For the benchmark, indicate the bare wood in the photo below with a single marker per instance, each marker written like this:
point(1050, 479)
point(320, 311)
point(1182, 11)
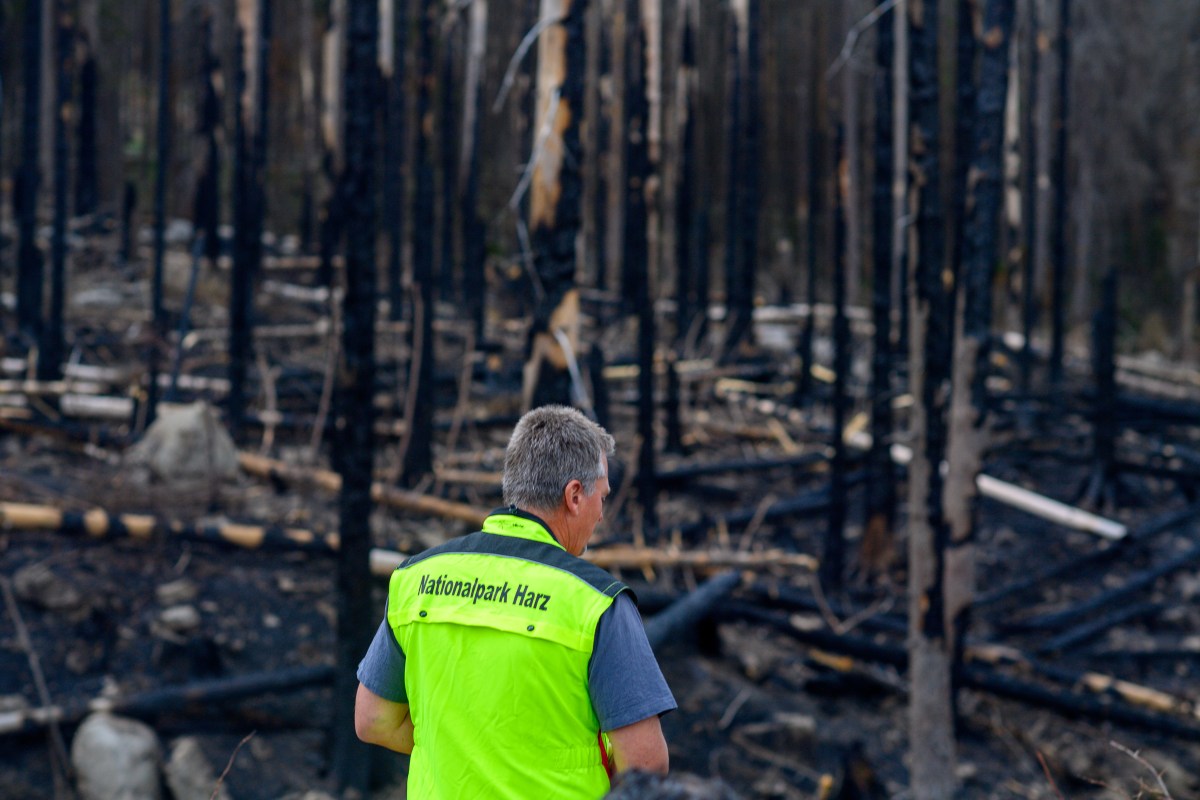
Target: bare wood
point(631, 556)
point(332, 482)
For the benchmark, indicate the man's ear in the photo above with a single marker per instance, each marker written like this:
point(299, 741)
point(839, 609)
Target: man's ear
point(573, 495)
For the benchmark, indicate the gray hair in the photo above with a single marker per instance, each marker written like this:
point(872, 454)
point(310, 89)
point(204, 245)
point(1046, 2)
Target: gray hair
point(550, 447)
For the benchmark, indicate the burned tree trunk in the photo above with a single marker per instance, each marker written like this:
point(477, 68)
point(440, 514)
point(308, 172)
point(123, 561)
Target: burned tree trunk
point(741, 233)
point(49, 364)
point(417, 457)
point(207, 201)
point(474, 229)
point(815, 210)
point(554, 203)
point(29, 258)
point(931, 728)
point(833, 559)
point(964, 126)
point(689, 251)
point(1058, 246)
point(394, 137)
point(1099, 492)
point(636, 262)
point(331, 217)
point(876, 550)
point(250, 140)
point(1029, 200)
point(448, 155)
point(87, 191)
point(356, 384)
point(163, 134)
point(968, 435)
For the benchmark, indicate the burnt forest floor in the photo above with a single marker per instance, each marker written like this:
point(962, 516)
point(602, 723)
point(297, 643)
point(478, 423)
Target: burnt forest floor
point(760, 705)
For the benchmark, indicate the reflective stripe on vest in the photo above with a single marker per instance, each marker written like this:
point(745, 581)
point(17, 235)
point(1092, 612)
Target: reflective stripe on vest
point(498, 629)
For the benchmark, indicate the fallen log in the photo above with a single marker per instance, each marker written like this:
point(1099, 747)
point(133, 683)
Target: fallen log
point(383, 562)
point(685, 612)
point(1137, 582)
point(686, 472)
point(171, 699)
point(1079, 566)
point(1093, 628)
point(1109, 699)
point(99, 524)
point(385, 495)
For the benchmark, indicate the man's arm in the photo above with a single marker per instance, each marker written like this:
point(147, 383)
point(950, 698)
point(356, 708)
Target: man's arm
point(640, 746)
point(382, 722)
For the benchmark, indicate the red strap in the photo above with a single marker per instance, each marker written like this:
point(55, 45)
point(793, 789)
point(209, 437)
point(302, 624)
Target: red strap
point(609, 767)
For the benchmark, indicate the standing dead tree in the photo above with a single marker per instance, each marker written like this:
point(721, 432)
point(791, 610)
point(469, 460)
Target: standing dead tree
point(931, 729)
point(969, 434)
point(29, 257)
point(555, 199)
point(163, 135)
point(49, 363)
point(354, 441)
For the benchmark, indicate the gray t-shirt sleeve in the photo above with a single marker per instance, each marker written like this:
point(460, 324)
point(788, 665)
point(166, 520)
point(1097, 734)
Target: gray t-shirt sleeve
point(624, 680)
point(382, 668)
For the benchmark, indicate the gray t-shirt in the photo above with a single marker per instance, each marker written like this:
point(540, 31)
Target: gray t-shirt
point(624, 680)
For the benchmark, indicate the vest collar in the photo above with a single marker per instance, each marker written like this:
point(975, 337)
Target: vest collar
point(512, 521)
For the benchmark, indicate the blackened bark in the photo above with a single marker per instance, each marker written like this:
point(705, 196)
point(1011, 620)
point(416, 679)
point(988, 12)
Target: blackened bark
point(876, 550)
point(674, 443)
point(688, 254)
point(1058, 246)
point(964, 126)
point(87, 191)
point(356, 385)
point(604, 146)
point(50, 352)
point(450, 51)
point(162, 167)
point(207, 201)
point(128, 206)
point(554, 213)
point(474, 229)
point(29, 258)
point(250, 139)
point(1099, 491)
point(930, 709)
point(418, 445)
point(635, 255)
point(816, 210)
point(969, 431)
point(395, 176)
point(600, 405)
point(1029, 199)
point(833, 559)
point(741, 234)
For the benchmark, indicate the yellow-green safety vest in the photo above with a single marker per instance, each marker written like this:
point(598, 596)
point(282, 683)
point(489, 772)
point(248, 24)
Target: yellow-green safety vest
point(497, 629)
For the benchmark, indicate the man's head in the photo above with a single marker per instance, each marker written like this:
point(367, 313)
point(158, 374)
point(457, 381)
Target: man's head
point(556, 466)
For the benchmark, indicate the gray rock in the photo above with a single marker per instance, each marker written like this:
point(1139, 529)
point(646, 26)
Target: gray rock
point(116, 759)
point(38, 585)
point(190, 776)
point(185, 444)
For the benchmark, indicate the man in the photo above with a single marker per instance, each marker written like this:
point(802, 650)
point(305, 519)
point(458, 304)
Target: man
point(507, 665)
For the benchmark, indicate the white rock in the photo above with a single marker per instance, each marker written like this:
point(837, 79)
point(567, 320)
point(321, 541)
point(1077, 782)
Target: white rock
point(116, 759)
point(186, 443)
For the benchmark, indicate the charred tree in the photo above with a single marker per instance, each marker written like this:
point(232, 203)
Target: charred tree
point(162, 167)
point(448, 154)
point(554, 203)
point(207, 202)
point(689, 251)
point(834, 556)
point(636, 261)
point(741, 230)
point(331, 216)
point(1058, 244)
point(815, 209)
point(417, 458)
point(128, 207)
point(1029, 199)
point(87, 191)
point(30, 275)
point(250, 143)
point(877, 549)
point(931, 729)
point(474, 229)
point(1099, 491)
point(50, 350)
point(964, 125)
point(969, 432)
point(395, 134)
point(356, 384)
